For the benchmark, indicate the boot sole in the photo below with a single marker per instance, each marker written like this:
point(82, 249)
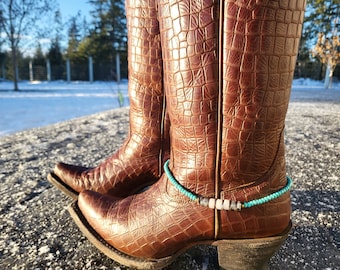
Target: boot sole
point(57, 182)
point(232, 253)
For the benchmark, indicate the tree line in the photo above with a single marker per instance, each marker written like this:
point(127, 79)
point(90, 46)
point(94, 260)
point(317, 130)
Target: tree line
point(27, 22)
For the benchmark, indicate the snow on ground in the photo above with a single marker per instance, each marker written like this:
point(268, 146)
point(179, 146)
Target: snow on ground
point(42, 103)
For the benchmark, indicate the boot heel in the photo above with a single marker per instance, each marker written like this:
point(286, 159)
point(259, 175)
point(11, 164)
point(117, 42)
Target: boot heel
point(248, 253)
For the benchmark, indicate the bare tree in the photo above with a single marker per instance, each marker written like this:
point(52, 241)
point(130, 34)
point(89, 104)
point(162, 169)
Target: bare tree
point(327, 50)
point(19, 18)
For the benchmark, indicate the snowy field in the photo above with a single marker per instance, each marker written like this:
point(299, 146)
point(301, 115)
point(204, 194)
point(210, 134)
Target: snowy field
point(42, 103)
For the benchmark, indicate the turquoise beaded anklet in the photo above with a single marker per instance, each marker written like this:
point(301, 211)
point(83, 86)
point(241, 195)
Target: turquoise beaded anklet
point(220, 204)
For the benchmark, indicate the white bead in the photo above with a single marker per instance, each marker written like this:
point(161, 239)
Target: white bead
point(239, 206)
point(219, 204)
point(226, 204)
point(212, 203)
point(233, 206)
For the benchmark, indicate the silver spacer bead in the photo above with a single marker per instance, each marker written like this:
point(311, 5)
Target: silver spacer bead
point(233, 206)
point(239, 206)
point(204, 201)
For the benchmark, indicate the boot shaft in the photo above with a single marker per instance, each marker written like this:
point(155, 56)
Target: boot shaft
point(260, 45)
point(149, 122)
point(189, 43)
point(228, 71)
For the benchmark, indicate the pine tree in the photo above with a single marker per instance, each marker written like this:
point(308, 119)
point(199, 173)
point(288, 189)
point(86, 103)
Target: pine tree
point(109, 28)
point(320, 16)
point(74, 39)
point(54, 53)
point(39, 57)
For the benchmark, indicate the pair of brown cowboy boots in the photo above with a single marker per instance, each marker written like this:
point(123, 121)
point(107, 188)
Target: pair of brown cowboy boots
point(224, 71)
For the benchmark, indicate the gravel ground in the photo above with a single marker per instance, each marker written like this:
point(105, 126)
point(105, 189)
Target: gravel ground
point(36, 231)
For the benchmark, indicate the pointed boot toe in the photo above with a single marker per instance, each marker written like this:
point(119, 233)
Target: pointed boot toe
point(92, 216)
point(138, 234)
point(66, 177)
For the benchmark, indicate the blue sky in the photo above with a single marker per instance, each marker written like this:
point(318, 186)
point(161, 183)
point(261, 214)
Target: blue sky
point(70, 8)
point(67, 8)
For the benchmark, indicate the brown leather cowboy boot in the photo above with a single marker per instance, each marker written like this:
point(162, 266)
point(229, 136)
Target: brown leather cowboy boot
point(228, 71)
point(139, 161)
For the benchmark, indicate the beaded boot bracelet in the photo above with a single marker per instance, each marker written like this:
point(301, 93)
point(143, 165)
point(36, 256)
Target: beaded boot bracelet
point(221, 204)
